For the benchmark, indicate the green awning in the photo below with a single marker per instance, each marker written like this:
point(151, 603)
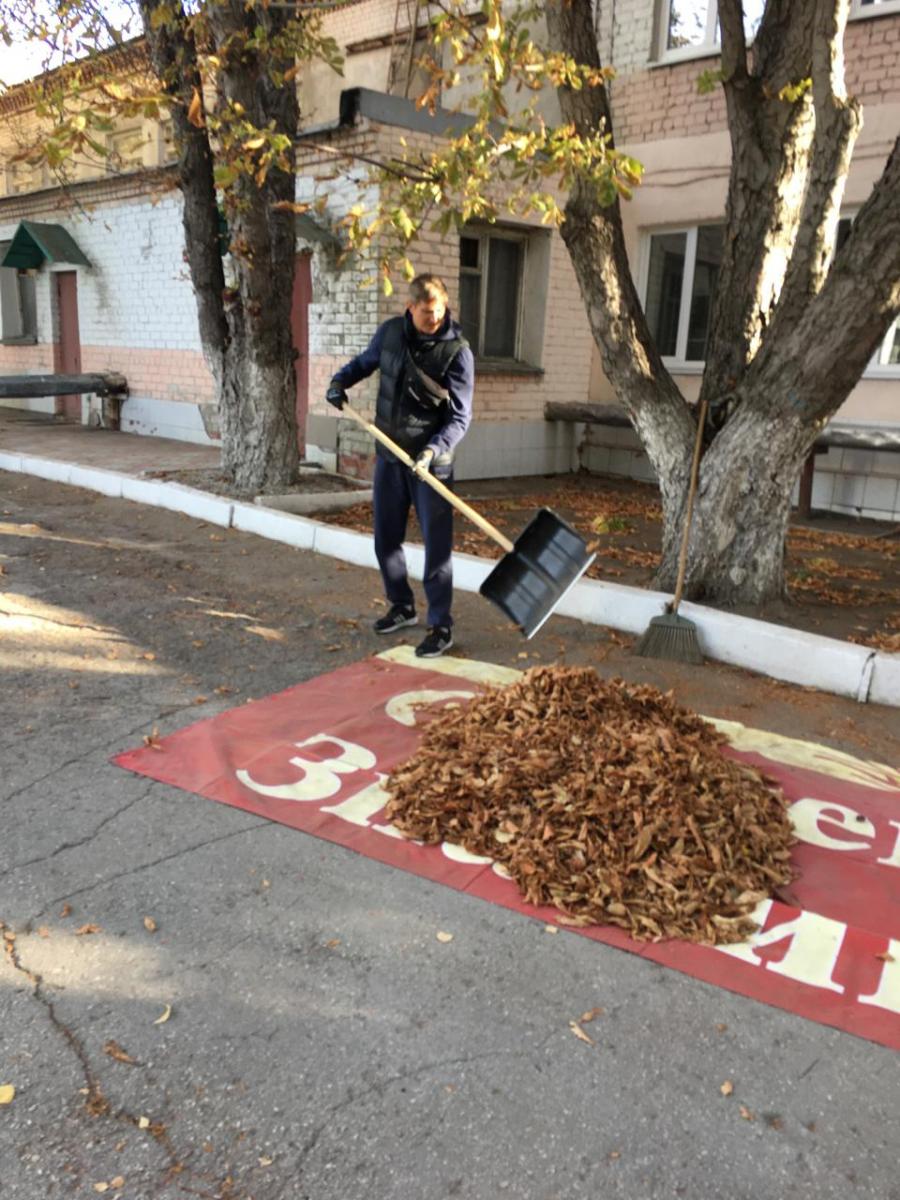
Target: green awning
point(34, 243)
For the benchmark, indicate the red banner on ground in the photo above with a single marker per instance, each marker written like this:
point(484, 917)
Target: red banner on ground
point(314, 758)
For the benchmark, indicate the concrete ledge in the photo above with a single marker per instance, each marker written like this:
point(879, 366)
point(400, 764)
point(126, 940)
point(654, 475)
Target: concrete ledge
point(346, 545)
point(278, 526)
point(780, 651)
point(109, 483)
point(10, 462)
point(302, 504)
point(600, 603)
point(46, 468)
point(885, 685)
point(194, 503)
point(141, 491)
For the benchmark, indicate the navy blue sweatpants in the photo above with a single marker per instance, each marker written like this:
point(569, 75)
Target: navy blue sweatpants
point(396, 488)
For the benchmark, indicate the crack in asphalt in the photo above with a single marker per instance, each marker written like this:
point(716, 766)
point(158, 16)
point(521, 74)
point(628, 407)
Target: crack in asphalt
point(381, 1087)
point(51, 904)
point(103, 747)
point(81, 841)
point(97, 1104)
point(105, 629)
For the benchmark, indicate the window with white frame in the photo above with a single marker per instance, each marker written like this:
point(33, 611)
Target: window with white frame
point(873, 8)
point(886, 358)
point(690, 28)
point(18, 310)
point(681, 270)
point(491, 273)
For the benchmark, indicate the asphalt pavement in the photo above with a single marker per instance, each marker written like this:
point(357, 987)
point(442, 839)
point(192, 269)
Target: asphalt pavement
point(197, 1002)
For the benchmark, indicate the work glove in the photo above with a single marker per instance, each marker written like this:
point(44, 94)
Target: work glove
point(336, 395)
point(422, 465)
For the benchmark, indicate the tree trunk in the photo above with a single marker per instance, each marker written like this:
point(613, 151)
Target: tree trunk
point(245, 330)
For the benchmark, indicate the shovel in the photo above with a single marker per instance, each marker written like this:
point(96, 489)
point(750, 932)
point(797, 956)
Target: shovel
point(535, 573)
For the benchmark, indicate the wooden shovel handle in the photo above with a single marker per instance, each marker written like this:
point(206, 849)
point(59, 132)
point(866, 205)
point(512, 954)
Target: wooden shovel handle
point(426, 476)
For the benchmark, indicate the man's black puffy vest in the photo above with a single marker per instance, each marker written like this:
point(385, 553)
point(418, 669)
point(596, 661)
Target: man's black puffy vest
point(410, 424)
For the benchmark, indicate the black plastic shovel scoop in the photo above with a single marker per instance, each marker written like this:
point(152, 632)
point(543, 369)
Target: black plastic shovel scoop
point(547, 559)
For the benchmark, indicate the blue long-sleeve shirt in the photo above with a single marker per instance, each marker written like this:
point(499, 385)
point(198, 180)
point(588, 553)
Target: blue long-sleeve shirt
point(458, 379)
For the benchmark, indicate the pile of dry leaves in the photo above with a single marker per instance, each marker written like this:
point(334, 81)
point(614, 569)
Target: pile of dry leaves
point(608, 801)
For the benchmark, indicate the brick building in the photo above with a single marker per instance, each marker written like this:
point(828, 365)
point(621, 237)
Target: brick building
point(512, 283)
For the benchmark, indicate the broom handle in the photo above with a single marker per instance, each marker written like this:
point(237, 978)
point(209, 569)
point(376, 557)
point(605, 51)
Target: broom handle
point(433, 482)
point(692, 491)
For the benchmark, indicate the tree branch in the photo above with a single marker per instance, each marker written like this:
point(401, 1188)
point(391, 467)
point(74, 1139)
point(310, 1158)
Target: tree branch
point(594, 238)
point(838, 120)
point(173, 52)
point(814, 365)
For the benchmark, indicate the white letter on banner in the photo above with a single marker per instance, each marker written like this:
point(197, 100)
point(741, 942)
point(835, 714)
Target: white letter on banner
point(320, 779)
point(809, 815)
point(894, 859)
point(402, 708)
point(815, 943)
point(888, 992)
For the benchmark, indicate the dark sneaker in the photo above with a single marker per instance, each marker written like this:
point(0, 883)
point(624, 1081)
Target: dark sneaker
point(398, 617)
point(438, 640)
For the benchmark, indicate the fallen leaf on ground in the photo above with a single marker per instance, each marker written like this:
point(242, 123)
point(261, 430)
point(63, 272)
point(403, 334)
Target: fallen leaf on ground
point(150, 656)
point(143, 1122)
point(551, 929)
point(721, 1027)
point(727, 1088)
point(444, 937)
point(264, 1162)
point(580, 1034)
point(615, 1154)
point(590, 1015)
point(114, 1050)
point(117, 1182)
point(885, 957)
point(152, 739)
point(330, 945)
point(746, 1113)
point(43, 931)
point(150, 925)
point(164, 1015)
point(66, 910)
point(101, 1187)
point(200, 699)
point(84, 930)
point(7, 1093)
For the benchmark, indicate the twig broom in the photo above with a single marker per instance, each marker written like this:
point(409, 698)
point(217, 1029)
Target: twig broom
point(671, 636)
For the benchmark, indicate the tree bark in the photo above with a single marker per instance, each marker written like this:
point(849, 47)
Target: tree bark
point(245, 331)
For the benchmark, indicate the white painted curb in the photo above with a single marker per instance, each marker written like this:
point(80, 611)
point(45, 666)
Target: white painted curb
point(790, 654)
point(96, 480)
point(885, 686)
point(802, 658)
point(194, 503)
point(270, 523)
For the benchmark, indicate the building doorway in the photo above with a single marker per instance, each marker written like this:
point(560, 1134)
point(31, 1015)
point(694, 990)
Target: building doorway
point(68, 349)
